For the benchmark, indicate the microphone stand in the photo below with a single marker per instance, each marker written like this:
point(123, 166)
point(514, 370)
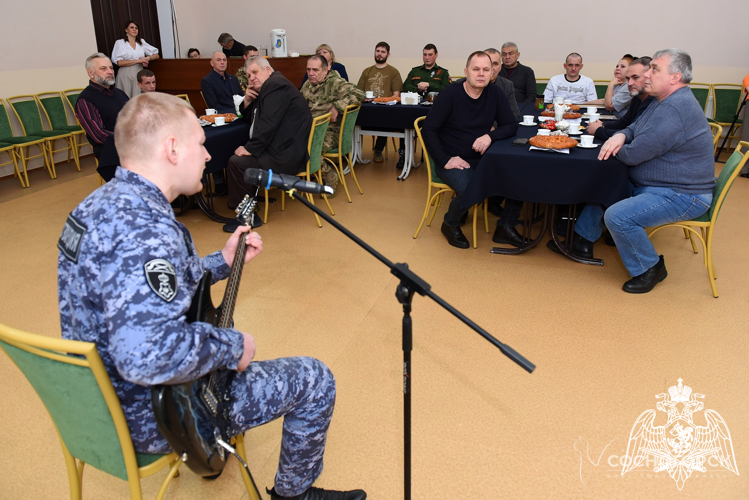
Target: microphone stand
point(411, 283)
point(733, 124)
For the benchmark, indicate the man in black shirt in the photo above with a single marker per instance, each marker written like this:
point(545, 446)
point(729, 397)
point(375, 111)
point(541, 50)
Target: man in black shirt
point(232, 48)
point(521, 76)
point(457, 132)
point(219, 87)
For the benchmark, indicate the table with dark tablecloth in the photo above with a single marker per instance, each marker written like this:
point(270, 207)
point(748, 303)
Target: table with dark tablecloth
point(392, 116)
point(221, 142)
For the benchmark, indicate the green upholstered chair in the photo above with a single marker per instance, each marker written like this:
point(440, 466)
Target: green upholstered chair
point(706, 222)
point(726, 102)
point(541, 85)
point(314, 149)
point(434, 182)
point(53, 106)
point(71, 95)
point(21, 145)
point(345, 141)
point(26, 109)
point(9, 150)
point(70, 379)
point(701, 92)
point(601, 87)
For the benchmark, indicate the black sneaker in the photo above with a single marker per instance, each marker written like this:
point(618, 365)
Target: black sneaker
point(401, 159)
point(321, 494)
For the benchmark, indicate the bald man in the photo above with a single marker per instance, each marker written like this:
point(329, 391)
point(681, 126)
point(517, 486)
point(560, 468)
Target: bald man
point(219, 87)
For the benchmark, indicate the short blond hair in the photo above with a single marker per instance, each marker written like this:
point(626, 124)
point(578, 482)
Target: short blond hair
point(143, 122)
point(326, 47)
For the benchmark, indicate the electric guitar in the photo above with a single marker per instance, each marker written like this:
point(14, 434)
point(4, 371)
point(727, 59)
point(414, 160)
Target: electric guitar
point(194, 416)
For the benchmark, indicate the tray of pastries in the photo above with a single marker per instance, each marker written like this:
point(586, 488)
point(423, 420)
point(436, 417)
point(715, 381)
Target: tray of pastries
point(567, 116)
point(386, 99)
point(573, 107)
point(553, 142)
point(230, 117)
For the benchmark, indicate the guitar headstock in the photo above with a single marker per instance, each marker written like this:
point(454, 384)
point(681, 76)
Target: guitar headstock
point(245, 210)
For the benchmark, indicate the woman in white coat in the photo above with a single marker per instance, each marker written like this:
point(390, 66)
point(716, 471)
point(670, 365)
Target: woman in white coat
point(131, 54)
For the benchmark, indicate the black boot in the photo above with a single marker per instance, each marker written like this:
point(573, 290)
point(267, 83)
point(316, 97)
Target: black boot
point(580, 247)
point(509, 236)
point(647, 280)
point(321, 494)
point(455, 236)
point(401, 158)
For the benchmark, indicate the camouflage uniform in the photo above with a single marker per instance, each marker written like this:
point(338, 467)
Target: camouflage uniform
point(332, 91)
point(242, 77)
point(127, 272)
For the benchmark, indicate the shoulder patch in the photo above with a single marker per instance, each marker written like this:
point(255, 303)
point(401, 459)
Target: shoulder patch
point(71, 238)
point(162, 278)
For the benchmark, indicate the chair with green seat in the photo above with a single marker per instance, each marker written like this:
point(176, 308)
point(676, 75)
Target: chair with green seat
point(701, 92)
point(434, 182)
point(26, 109)
point(70, 379)
point(345, 141)
point(54, 109)
point(71, 95)
point(726, 102)
point(541, 85)
point(314, 150)
point(717, 130)
point(21, 145)
point(601, 87)
point(9, 149)
point(706, 222)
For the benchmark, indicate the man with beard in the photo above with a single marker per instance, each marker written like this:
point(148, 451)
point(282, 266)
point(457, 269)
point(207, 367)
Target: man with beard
point(97, 108)
point(636, 85)
point(458, 131)
point(384, 81)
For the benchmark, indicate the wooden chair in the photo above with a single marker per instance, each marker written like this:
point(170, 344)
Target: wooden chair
point(706, 222)
point(344, 149)
point(70, 379)
point(54, 109)
point(185, 97)
point(71, 96)
point(21, 146)
point(717, 130)
point(701, 92)
point(726, 102)
point(434, 182)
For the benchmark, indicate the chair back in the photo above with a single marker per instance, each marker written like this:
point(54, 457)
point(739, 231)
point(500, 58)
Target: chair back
point(72, 96)
point(54, 109)
point(730, 171)
point(701, 92)
point(726, 101)
point(5, 128)
point(27, 111)
point(717, 130)
point(348, 124)
point(183, 96)
point(73, 384)
point(541, 85)
point(433, 177)
point(316, 139)
point(601, 87)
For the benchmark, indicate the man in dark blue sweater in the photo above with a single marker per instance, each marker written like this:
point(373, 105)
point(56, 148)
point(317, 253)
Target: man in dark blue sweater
point(670, 151)
point(457, 132)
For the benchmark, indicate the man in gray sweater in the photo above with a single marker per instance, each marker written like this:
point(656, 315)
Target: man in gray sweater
point(670, 152)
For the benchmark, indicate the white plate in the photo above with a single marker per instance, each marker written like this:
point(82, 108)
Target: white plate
point(528, 124)
point(588, 147)
point(579, 132)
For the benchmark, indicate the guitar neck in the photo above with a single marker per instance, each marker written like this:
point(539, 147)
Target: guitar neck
point(232, 287)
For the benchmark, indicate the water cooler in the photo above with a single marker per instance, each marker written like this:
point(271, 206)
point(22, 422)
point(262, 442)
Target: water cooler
point(278, 43)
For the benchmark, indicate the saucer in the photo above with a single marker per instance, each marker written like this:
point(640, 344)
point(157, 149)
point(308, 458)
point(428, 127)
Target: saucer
point(593, 146)
point(217, 125)
point(528, 124)
point(579, 132)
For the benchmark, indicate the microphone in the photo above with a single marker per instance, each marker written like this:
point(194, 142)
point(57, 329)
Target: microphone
point(267, 179)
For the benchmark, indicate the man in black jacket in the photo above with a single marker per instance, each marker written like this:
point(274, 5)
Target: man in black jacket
point(521, 76)
point(637, 89)
point(219, 87)
point(280, 125)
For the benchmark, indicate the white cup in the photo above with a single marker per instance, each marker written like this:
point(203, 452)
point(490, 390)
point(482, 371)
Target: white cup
point(544, 131)
point(369, 94)
point(559, 100)
point(220, 120)
point(592, 110)
point(586, 140)
point(593, 117)
point(528, 119)
point(568, 102)
point(210, 111)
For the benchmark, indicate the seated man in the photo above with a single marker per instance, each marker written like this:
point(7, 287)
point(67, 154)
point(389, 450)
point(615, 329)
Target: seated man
point(670, 151)
point(571, 85)
point(220, 87)
point(146, 80)
point(458, 130)
point(325, 91)
point(279, 131)
point(97, 108)
point(136, 317)
point(506, 85)
point(428, 77)
point(641, 100)
point(382, 80)
point(193, 53)
point(249, 51)
point(231, 47)
point(521, 76)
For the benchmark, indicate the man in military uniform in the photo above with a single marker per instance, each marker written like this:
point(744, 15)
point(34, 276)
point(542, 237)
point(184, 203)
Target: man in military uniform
point(326, 91)
point(127, 272)
point(428, 77)
point(249, 51)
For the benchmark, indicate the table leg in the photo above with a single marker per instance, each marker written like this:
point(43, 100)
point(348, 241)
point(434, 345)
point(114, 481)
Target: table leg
point(408, 139)
point(527, 226)
point(564, 246)
point(357, 156)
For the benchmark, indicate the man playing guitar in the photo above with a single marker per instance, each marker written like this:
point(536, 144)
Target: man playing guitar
point(127, 272)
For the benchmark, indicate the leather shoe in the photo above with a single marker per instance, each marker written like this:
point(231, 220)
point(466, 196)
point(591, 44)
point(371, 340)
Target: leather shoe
point(320, 494)
point(455, 236)
point(647, 280)
point(580, 247)
point(509, 236)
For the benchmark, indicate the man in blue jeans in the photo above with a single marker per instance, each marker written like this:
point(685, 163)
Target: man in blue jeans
point(669, 149)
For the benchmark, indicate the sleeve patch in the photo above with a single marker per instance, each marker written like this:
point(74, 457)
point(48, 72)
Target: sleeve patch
point(162, 278)
point(71, 238)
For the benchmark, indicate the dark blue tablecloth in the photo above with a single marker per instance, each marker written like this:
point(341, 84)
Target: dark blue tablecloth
point(221, 142)
point(394, 116)
point(547, 177)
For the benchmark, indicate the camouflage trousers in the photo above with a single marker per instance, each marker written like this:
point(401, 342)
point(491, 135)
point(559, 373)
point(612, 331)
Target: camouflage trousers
point(329, 175)
point(300, 389)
